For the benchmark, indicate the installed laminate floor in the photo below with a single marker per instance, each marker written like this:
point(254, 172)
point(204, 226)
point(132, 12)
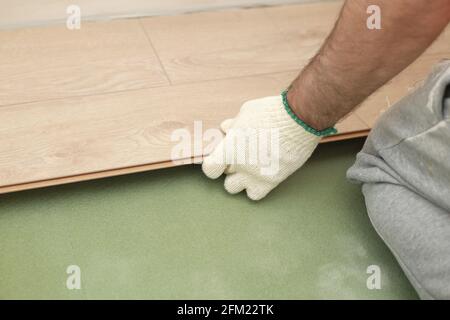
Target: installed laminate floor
point(105, 99)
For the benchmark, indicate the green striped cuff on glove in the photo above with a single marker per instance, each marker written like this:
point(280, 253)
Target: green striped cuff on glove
point(308, 128)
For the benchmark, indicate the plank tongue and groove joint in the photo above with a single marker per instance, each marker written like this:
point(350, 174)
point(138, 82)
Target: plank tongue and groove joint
point(104, 100)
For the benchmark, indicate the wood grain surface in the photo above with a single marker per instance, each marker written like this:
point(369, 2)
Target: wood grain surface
point(54, 62)
point(398, 87)
point(217, 45)
point(105, 100)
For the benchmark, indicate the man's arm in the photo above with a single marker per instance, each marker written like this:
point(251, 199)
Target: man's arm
point(355, 61)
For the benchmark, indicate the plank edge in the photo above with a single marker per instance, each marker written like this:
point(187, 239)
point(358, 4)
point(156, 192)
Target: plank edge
point(135, 169)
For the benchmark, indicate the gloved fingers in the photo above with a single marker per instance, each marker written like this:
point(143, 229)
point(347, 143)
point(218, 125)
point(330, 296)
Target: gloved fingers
point(235, 183)
point(214, 165)
point(256, 193)
point(226, 125)
point(230, 169)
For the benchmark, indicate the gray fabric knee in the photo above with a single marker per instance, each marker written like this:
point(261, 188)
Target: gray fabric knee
point(404, 167)
point(418, 234)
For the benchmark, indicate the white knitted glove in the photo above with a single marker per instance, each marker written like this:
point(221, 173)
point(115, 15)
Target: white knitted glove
point(263, 122)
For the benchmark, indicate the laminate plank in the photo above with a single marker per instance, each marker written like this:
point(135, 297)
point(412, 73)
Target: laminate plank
point(136, 169)
point(398, 87)
point(346, 136)
point(55, 62)
point(85, 177)
point(80, 135)
point(351, 123)
point(441, 45)
point(72, 136)
point(305, 27)
point(218, 45)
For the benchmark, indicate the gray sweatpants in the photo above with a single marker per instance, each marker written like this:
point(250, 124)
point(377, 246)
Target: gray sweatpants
point(404, 168)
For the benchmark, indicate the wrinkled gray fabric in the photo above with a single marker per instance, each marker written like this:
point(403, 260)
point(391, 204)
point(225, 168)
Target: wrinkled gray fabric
point(404, 169)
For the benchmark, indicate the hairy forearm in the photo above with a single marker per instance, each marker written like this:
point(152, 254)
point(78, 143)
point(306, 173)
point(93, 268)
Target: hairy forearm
point(355, 61)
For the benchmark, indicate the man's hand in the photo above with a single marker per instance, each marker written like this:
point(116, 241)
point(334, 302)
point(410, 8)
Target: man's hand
point(353, 62)
point(262, 147)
